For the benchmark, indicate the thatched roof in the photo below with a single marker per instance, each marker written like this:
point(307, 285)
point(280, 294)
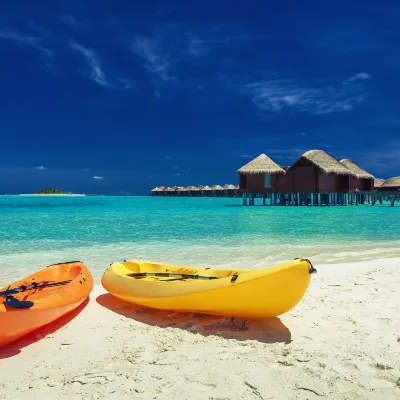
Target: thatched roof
point(392, 183)
point(356, 169)
point(171, 189)
point(206, 188)
point(261, 165)
point(325, 162)
point(230, 187)
point(156, 189)
point(162, 187)
point(217, 187)
point(378, 182)
point(181, 189)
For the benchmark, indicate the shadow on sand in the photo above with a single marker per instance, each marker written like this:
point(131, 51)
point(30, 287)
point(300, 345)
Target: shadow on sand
point(14, 348)
point(262, 330)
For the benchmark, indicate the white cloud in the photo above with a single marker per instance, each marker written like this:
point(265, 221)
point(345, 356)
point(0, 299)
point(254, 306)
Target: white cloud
point(303, 134)
point(243, 155)
point(97, 177)
point(275, 95)
point(40, 168)
point(196, 47)
point(206, 40)
point(29, 41)
point(69, 20)
point(155, 61)
point(126, 83)
point(92, 60)
point(361, 76)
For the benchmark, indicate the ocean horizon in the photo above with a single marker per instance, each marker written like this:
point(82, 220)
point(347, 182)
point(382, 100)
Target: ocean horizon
point(37, 231)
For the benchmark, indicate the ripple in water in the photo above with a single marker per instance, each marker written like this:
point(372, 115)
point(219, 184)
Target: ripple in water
point(189, 231)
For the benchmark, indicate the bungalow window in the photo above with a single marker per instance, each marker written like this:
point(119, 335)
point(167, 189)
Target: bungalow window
point(267, 183)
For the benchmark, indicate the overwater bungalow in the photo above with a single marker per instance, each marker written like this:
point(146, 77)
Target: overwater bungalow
point(206, 190)
point(316, 171)
point(315, 178)
point(389, 191)
point(171, 191)
point(181, 191)
point(190, 190)
point(196, 190)
point(259, 175)
point(391, 185)
point(162, 191)
point(156, 191)
point(229, 190)
point(361, 180)
point(217, 190)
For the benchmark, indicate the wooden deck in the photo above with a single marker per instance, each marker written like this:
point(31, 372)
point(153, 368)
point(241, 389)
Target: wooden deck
point(322, 199)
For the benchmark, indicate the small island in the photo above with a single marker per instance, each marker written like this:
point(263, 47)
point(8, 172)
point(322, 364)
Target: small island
point(54, 192)
point(49, 191)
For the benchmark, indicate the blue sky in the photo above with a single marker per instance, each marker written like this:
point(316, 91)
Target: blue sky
point(121, 96)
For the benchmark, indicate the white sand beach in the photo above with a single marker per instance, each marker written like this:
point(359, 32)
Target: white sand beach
point(342, 341)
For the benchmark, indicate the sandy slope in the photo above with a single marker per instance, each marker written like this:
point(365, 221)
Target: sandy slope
point(341, 342)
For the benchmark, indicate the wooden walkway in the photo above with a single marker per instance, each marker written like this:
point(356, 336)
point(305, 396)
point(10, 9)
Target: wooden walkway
point(322, 199)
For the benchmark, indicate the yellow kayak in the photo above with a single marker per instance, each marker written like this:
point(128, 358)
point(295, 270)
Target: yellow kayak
point(245, 293)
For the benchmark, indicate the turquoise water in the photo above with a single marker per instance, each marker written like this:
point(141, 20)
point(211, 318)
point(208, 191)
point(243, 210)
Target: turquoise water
point(37, 231)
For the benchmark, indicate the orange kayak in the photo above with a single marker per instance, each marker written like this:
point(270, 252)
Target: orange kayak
point(42, 298)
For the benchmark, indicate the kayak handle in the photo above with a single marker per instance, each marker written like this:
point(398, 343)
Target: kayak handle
point(312, 270)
